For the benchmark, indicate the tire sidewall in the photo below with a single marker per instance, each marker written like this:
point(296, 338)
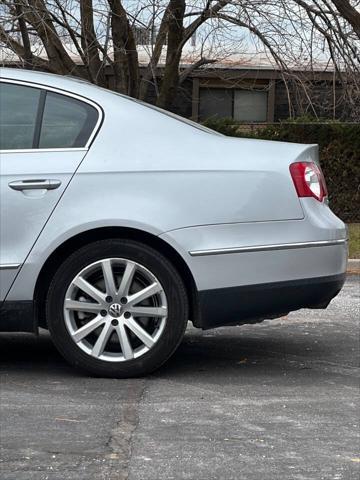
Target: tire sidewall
point(156, 264)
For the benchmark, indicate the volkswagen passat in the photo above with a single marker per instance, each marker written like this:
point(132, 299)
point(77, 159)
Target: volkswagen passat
point(119, 222)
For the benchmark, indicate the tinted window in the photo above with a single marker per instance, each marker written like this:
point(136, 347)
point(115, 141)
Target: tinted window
point(215, 102)
point(242, 105)
point(250, 105)
point(18, 112)
point(67, 122)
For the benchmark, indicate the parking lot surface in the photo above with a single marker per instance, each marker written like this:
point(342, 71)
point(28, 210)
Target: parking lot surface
point(277, 400)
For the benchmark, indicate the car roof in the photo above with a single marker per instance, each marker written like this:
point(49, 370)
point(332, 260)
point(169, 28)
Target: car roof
point(69, 84)
point(42, 78)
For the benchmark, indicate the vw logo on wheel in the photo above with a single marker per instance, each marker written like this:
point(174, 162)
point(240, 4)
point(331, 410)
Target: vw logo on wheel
point(115, 310)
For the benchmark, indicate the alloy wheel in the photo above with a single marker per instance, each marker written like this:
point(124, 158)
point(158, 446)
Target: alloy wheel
point(115, 309)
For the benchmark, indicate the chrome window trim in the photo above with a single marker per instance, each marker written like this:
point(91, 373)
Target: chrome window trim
point(10, 266)
point(66, 94)
point(266, 248)
point(39, 150)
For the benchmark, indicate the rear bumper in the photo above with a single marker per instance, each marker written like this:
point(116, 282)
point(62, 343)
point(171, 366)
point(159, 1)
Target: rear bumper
point(252, 304)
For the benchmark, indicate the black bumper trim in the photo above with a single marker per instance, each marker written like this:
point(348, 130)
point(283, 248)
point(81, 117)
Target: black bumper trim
point(254, 303)
point(17, 317)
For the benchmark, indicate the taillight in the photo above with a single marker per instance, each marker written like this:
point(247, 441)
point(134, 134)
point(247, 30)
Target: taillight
point(309, 180)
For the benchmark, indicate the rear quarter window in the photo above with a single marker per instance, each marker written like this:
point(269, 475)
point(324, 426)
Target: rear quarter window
point(67, 122)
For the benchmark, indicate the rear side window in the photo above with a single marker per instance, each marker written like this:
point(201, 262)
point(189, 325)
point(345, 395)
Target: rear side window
point(66, 122)
point(18, 116)
point(32, 118)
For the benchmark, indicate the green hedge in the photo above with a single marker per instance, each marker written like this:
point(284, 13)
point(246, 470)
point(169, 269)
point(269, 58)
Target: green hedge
point(339, 154)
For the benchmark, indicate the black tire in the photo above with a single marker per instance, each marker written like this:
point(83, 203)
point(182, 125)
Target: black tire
point(159, 266)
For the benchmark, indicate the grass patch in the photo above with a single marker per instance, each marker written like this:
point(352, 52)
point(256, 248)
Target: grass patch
point(354, 236)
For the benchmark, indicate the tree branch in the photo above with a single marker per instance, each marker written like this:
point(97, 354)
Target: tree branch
point(20, 51)
point(188, 71)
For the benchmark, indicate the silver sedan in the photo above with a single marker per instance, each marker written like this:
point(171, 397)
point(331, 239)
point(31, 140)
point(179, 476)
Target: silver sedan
point(120, 222)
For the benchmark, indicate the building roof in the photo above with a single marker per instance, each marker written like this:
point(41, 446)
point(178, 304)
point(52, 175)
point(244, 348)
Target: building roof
point(250, 60)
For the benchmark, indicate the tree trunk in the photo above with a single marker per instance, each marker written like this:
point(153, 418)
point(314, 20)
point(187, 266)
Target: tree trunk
point(59, 60)
point(349, 13)
point(125, 51)
point(170, 80)
point(150, 72)
point(89, 43)
point(25, 37)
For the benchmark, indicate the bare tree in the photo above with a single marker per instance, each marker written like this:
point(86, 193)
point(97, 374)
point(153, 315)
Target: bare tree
point(350, 13)
point(91, 38)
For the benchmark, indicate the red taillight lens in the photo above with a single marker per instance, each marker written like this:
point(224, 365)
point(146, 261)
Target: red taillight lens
point(309, 180)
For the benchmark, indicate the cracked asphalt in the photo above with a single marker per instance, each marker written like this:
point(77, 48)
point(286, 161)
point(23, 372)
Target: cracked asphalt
point(277, 400)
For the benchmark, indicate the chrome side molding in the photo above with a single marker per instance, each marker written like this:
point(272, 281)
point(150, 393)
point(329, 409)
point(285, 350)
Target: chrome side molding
point(266, 248)
point(10, 266)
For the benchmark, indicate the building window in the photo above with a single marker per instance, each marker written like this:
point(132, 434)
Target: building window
point(216, 103)
point(250, 105)
point(242, 105)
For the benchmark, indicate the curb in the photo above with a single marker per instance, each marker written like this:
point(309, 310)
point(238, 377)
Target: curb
point(353, 266)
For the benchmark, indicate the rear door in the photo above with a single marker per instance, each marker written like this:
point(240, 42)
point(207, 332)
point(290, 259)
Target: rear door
point(44, 135)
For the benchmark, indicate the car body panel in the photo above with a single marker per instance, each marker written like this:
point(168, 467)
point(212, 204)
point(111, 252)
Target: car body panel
point(265, 265)
point(23, 214)
point(194, 189)
point(252, 268)
point(199, 178)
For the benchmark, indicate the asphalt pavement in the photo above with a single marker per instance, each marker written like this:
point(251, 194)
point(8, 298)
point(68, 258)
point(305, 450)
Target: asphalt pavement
point(273, 401)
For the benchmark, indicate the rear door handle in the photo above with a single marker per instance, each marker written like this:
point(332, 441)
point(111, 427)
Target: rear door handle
point(36, 184)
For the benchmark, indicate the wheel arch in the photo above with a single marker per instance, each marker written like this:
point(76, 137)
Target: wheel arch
point(102, 233)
